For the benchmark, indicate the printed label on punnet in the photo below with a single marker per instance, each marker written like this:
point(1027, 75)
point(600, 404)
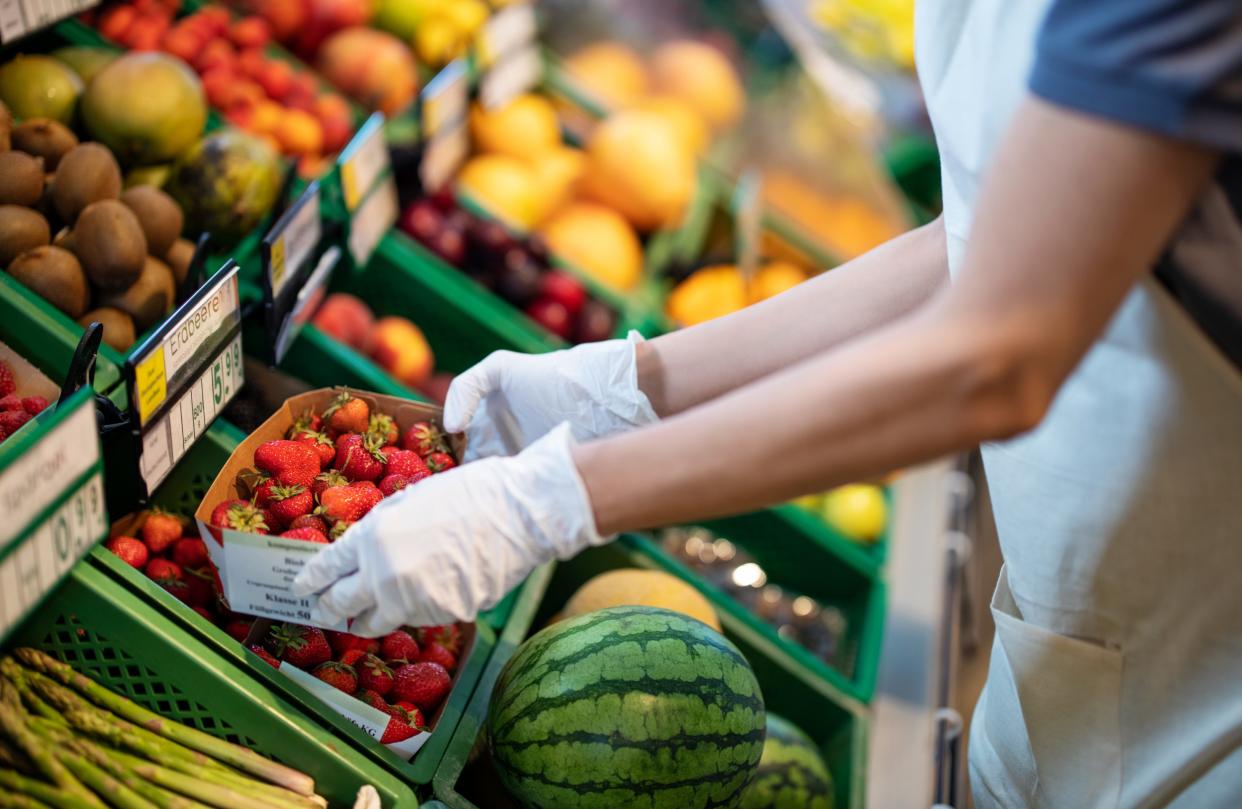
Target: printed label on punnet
point(258, 573)
point(372, 721)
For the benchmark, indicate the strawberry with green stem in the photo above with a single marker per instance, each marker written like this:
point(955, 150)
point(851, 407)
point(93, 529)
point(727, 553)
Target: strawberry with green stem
point(382, 429)
point(301, 646)
point(290, 463)
point(424, 684)
point(348, 504)
point(404, 462)
point(131, 551)
point(160, 530)
point(287, 503)
point(359, 457)
point(239, 515)
point(424, 438)
point(319, 442)
point(348, 414)
point(338, 675)
point(326, 480)
point(374, 674)
point(306, 535)
point(440, 462)
point(399, 645)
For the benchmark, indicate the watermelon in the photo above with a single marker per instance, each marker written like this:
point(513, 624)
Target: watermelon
point(791, 773)
point(626, 707)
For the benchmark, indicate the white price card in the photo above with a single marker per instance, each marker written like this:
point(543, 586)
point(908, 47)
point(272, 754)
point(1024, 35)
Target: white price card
point(372, 220)
point(293, 239)
point(258, 572)
point(508, 30)
point(42, 473)
point(166, 440)
point(364, 161)
point(517, 73)
point(36, 565)
point(443, 154)
point(445, 99)
point(309, 296)
point(21, 17)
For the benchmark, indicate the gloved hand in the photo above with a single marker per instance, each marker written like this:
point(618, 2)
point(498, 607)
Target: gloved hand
point(455, 543)
point(593, 386)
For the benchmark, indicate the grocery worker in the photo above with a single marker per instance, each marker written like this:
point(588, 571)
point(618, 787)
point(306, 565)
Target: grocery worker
point(1090, 339)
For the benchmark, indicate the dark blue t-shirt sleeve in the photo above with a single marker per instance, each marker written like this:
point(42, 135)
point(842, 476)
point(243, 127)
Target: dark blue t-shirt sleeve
point(1172, 66)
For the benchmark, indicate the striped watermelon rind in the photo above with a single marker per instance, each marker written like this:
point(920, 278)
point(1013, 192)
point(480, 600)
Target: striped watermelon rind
point(791, 773)
point(627, 707)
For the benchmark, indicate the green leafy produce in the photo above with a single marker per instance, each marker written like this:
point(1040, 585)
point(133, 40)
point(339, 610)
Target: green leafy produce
point(627, 706)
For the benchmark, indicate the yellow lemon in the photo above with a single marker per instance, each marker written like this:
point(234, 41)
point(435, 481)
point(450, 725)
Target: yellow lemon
point(504, 185)
point(685, 120)
point(557, 174)
point(857, 510)
point(709, 293)
point(773, 279)
point(610, 71)
point(642, 588)
point(701, 76)
point(598, 241)
point(524, 127)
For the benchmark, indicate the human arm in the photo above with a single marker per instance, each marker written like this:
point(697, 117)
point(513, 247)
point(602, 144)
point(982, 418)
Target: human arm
point(1073, 211)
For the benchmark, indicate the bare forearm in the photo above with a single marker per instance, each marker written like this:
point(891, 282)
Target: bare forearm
point(695, 365)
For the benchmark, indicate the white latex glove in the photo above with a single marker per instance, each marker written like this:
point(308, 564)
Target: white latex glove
point(455, 543)
point(509, 400)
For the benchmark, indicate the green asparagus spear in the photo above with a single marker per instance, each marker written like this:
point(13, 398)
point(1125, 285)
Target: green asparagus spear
point(240, 757)
point(15, 782)
point(13, 722)
point(18, 676)
point(15, 800)
point(112, 790)
point(14, 759)
point(209, 793)
point(162, 798)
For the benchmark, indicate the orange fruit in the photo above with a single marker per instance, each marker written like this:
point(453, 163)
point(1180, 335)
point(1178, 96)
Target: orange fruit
point(709, 293)
point(685, 120)
point(598, 241)
point(558, 173)
point(774, 278)
point(525, 127)
point(637, 164)
point(610, 71)
point(299, 133)
point(505, 186)
point(701, 76)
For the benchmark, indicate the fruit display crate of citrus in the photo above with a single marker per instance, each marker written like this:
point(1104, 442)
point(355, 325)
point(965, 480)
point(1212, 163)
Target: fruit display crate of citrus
point(556, 715)
point(149, 665)
point(163, 564)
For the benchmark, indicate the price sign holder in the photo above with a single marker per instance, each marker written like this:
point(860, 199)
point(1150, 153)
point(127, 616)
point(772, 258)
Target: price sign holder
point(21, 17)
point(443, 107)
point(507, 54)
point(52, 498)
point(367, 188)
point(299, 254)
point(183, 375)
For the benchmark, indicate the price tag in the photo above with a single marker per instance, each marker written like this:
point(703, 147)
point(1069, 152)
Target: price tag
point(517, 73)
point(292, 240)
point(506, 31)
point(37, 477)
point(445, 99)
point(21, 17)
point(363, 161)
point(309, 296)
point(443, 155)
point(371, 221)
point(36, 565)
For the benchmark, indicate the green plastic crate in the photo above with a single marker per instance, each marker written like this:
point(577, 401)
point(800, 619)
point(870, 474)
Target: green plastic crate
point(101, 629)
point(832, 719)
point(181, 492)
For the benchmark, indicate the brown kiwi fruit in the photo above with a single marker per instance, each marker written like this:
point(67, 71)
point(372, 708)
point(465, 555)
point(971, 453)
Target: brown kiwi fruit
point(86, 173)
point(178, 259)
point(6, 127)
point(118, 326)
point(63, 239)
point(56, 276)
point(149, 299)
point(109, 241)
point(21, 229)
point(21, 179)
point(159, 215)
point(45, 138)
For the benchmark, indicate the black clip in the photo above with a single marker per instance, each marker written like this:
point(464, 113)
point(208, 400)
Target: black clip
point(81, 371)
point(194, 274)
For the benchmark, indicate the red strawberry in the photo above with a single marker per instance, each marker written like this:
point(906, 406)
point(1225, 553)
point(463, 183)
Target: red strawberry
point(447, 635)
point(326, 480)
point(160, 530)
point(318, 442)
point(337, 675)
point(310, 521)
point(263, 492)
point(391, 484)
point(308, 421)
point(160, 569)
point(374, 675)
point(8, 382)
point(342, 642)
point(12, 420)
point(339, 527)
point(424, 438)
point(399, 645)
point(303, 646)
point(238, 629)
point(291, 463)
point(424, 684)
point(440, 462)
point(383, 429)
point(348, 415)
point(349, 503)
point(199, 589)
point(371, 698)
point(435, 653)
point(239, 515)
point(397, 730)
point(130, 550)
point(11, 402)
point(404, 462)
point(265, 655)
point(352, 657)
point(290, 502)
point(34, 405)
point(307, 534)
point(190, 552)
point(359, 458)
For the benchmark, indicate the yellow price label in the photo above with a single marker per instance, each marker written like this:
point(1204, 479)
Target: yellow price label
point(151, 384)
point(278, 264)
point(349, 184)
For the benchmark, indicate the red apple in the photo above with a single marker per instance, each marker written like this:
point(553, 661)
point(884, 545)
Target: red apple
point(552, 315)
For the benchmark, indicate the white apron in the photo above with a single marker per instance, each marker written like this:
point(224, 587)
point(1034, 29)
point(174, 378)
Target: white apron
point(1116, 673)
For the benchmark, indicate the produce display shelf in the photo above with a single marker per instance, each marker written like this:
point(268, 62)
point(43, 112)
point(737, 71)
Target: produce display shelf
point(181, 493)
point(835, 721)
point(101, 629)
point(51, 492)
